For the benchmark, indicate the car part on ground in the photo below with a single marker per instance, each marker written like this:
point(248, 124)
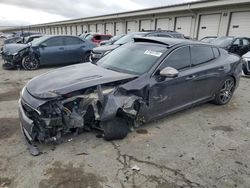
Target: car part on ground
point(98, 52)
point(246, 64)
point(47, 50)
point(134, 84)
point(236, 45)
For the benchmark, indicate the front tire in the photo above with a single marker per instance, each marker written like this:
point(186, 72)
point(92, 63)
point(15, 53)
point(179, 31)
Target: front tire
point(86, 57)
point(30, 63)
point(115, 129)
point(225, 91)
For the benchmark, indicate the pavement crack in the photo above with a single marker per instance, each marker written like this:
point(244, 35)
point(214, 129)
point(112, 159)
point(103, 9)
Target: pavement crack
point(177, 176)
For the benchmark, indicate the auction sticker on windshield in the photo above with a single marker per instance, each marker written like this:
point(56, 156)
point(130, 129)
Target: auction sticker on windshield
point(153, 53)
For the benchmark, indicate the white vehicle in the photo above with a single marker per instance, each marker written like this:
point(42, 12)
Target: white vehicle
point(246, 65)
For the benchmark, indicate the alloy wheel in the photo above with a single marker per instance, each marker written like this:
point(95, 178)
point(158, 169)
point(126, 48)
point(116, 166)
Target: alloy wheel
point(226, 91)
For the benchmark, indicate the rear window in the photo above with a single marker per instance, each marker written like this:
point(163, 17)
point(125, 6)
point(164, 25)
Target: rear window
point(105, 37)
point(201, 54)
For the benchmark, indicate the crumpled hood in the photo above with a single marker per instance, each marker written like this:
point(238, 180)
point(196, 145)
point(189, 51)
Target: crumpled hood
point(105, 48)
point(72, 78)
point(13, 48)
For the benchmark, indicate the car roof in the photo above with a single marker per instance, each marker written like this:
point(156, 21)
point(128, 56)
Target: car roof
point(169, 42)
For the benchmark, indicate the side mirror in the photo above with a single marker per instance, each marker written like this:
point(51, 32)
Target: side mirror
point(169, 72)
point(43, 45)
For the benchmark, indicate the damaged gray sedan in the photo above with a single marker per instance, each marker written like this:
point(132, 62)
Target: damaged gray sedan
point(134, 84)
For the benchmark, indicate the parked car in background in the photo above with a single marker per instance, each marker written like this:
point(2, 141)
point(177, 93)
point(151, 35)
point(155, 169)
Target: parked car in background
point(236, 45)
point(99, 52)
point(111, 41)
point(6, 35)
point(31, 38)
point(84, 35)
point(132, 85)
point(47, 50)
point(18, 37)
point(246, 64)
point(208, 39)
point(97, 38)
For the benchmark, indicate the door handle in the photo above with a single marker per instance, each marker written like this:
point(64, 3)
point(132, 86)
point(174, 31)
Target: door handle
point(190, 77)
point(221, 68)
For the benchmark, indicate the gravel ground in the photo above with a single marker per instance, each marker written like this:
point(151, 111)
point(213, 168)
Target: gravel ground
point(206, 146)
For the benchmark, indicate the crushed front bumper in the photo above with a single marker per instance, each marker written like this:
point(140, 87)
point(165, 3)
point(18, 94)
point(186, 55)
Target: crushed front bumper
point(26, 126)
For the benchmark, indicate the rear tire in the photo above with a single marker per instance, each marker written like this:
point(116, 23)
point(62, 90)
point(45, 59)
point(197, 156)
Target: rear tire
point(115, 129)
point(225, 91)
point(30, 63)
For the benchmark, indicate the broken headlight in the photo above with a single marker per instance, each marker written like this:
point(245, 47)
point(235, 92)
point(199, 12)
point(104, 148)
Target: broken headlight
point(47, 95)
point(22, 52)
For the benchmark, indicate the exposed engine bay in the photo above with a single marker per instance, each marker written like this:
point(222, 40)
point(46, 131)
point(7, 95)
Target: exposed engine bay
point(102, 108)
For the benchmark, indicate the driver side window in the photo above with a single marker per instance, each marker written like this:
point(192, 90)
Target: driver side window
point(178, 59)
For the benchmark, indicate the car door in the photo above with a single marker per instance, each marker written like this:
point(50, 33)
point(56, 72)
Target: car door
point(207, 71)
point(52, 51)
point(245, 47)
point(76, 49)
point(170, 94)
point(236, 46)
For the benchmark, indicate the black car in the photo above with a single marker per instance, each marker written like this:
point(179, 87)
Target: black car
point(134, 84)
point(236, 45)
point(99, 52)
point(47, 50)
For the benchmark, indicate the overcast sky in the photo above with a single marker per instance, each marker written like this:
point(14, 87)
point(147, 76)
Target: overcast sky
point(26, 12)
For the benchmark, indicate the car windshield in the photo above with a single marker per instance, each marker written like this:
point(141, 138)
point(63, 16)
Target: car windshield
point(89, 37)
point(208, 39)
point(38, 41)
point(128, 38)
point(133, 58)
point(117, 37)
point(222, 41)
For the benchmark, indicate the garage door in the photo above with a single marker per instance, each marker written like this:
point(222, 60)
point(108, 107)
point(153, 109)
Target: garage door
point(209, 25)
point(132, 26)
point(119, 28)
point(68, 30)
point(239, 25)
point(92, 28)
point(73, 29)
point(85, 28)
point(109, 28)
point(183, 25)
point(162, 24)
point(79, 29)
point(100, 28)
point(146, 25)
point(61, 30)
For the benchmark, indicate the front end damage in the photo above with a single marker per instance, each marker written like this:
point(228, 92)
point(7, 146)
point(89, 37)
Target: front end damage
point(104, 108)
point(14, 58)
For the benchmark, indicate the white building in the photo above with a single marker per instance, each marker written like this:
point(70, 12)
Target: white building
point(195, 20)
